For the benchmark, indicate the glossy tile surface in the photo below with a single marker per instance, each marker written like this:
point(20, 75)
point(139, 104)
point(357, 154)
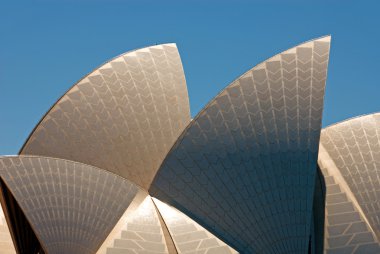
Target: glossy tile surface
point(350, 157)
point(123, 117)
point(189, 237)
point(245, 166)
point(142, 232)
point(72, 207)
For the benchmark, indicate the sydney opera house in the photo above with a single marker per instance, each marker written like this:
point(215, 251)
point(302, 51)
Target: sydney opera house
point(118, 166)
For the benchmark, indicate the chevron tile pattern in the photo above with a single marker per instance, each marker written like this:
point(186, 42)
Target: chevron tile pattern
point(71, 207)
point(346, 230)
point(352, 148)
point(245, 166)
point(188, 236)
point(142, 233)
point(123, 117)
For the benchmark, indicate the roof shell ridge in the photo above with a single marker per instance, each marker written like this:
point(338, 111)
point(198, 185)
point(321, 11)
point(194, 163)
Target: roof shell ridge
point(325, 38)
point(345, 121)
point(84, 78)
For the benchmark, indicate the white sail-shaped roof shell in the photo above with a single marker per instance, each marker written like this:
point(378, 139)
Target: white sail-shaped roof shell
point(122, 117)
point(245, 166)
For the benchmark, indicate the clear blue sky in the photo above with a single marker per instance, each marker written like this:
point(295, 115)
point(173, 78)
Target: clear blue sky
point(47, 45)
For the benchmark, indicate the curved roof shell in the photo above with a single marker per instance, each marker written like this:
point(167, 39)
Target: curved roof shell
point(350, 158)
point(71, 207)
point(245, 167)
point(150, 226)
point(123, 117)
point(188, 236)
point(142, 232)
